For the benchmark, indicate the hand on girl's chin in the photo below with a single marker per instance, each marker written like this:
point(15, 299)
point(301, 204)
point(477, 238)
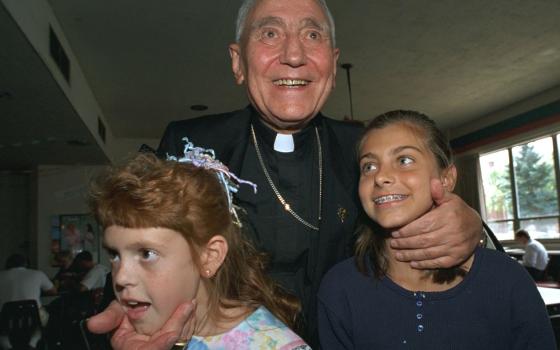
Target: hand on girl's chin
point(393, 225)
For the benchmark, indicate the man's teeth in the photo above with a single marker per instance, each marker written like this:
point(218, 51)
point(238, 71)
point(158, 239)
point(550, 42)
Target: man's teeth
point(389, 198)
point(290, 82)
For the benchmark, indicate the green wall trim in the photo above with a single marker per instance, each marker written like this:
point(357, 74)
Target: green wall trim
point(542, 116)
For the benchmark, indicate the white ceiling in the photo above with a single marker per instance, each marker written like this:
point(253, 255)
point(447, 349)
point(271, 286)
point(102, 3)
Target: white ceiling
point(148, 61)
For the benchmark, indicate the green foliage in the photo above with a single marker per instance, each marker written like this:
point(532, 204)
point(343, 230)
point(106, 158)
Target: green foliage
point(535, 184)
point(499, 206)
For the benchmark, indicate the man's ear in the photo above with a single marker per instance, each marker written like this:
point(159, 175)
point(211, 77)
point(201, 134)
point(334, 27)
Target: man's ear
point(213, 256)
point(449, 178)
point(336, 53)
point(236, 63)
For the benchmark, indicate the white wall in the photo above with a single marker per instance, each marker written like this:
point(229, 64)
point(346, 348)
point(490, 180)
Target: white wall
point(16, 223)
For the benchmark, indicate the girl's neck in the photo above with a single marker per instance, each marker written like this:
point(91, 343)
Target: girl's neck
point(209, 321)
point(416, 279)
point(208, 324)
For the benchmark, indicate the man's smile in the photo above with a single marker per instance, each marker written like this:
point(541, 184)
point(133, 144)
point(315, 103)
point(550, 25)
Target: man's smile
point(291, 82)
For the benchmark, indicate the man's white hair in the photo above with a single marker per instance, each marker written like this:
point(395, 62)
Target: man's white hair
point(248, 5)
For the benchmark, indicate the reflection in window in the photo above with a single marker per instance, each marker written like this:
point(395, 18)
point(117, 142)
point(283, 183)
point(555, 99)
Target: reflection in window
point(541, 228)
point(502, 230)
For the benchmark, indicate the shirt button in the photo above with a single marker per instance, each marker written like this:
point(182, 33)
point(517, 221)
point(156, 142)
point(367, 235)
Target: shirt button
point(419, 303)
point(420, 328)
point(419, 316)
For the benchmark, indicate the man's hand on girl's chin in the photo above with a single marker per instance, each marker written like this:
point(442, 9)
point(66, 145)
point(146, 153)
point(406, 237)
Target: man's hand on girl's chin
point(443, 237)
point(179, 327)
point(108, 320)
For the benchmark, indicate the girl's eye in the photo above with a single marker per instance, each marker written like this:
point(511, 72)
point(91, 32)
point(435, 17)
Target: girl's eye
point(148, 254)
point(406, 160)
point(113, 256)
point(368, 167)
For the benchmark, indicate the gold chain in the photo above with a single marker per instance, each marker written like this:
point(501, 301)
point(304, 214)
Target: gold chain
point(284, 203)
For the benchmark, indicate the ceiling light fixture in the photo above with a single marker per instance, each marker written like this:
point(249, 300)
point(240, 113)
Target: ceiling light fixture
point(347, 66)
point(5, 94)
point(199, 107)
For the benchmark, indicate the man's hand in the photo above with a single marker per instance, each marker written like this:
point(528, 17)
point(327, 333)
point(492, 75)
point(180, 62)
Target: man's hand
point(108, 320)
point(443, 237)
point(178, 328)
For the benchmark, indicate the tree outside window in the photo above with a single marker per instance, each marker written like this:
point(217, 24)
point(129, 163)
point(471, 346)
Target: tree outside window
point(520, 189)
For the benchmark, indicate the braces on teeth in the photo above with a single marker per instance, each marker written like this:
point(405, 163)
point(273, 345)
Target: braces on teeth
point(389, 198)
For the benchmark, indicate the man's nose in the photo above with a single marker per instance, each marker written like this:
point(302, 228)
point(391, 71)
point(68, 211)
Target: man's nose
point(293, 51)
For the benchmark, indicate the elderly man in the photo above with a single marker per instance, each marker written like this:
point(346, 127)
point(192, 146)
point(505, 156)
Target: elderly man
point(303, 162)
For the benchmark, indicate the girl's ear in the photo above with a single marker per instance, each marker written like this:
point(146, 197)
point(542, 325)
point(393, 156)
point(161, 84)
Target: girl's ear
point(213, 256)
point(449, 178)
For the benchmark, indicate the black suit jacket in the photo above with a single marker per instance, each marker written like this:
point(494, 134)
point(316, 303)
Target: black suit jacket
point(228, 134)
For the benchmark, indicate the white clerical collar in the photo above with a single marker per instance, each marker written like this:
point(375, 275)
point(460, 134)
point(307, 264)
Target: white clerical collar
point(284, 143)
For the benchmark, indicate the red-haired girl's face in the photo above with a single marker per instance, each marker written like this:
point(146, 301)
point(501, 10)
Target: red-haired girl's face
point(153, 272)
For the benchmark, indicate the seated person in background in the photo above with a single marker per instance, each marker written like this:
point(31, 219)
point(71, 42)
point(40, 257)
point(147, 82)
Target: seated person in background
point(95, 274)
point(84, 287)
point(64, 279)
point(78, 269)
point(535, 258)
point(374, 301)
point(174, 237)
point(18, 282)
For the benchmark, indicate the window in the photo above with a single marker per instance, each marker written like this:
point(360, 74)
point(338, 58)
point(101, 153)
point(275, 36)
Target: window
point(520, 189)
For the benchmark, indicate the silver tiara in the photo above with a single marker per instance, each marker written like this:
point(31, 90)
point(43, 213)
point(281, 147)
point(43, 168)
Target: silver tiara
point(206, 158)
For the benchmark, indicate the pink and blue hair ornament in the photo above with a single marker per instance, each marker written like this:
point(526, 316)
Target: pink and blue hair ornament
point(206, 158)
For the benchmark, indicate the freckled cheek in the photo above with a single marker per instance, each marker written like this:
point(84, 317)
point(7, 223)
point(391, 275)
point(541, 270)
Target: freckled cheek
point(165, 300)
point(171, 290)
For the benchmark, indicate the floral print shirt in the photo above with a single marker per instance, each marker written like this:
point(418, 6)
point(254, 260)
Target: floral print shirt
point(260, 330)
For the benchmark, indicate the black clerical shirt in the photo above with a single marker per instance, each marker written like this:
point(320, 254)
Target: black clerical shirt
point(296, 176)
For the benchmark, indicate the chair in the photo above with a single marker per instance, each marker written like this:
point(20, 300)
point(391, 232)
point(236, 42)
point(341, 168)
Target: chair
point(64, 329)
point(19, 320)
